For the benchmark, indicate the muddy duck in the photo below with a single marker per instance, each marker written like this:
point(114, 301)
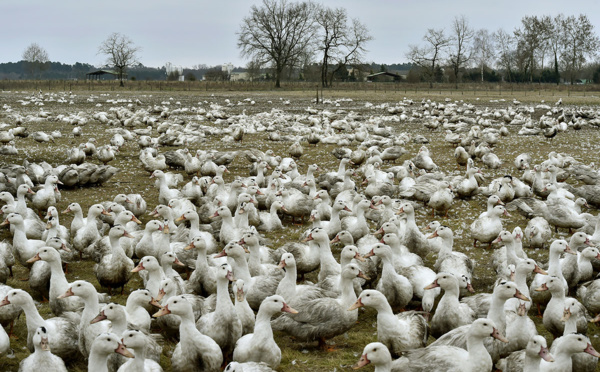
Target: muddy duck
point(114, 270)
point(89, 234)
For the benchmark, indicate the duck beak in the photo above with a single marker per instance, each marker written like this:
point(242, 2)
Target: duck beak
point(164, 311)
point(432, 285)
point(569, 250)
point(161, 294)
point(34, 258)
point(166, 228)
point(542, 288)
point(539, 270)
point(239, 296)
point(286, 308)
point(497, 335)
point(521, 296)
point(371, 253)
point(590, 350)
point(68, 293)
point(380, 231)
point(99, 318)
point(139, 267)
point(335, 240)
point(135, 219)
point(470, 288)
point(347, 209)
point(545, 354)
point(356, 305)
point(213, 216)
point(154, 301)
point(230, 276)
point(400, 211)
point(65, 248)
point(221, 254)
point(359, 257)
point(434, 235)
point(182, 217)
point(308, 238)
point(507, 214)
point(497, 240)
point(104, 212)
point(242, 241)
point(66, 211)
point(48, 226)
point(281, 264)
point(5, 222)
point(362, 275)
point(363, 361)
point(44, 344)
point(127, 235)
point(123, 351)
point(189, 246)
point(179, 263)
point(5, 302)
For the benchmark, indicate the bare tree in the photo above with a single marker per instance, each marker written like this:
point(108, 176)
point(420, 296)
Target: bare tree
point(36, 58)
point(120, 53)
point(483, 48)
point(530, 45)
point(278, 32)
point(462, 35)
point(339, 41)
point(428, 56)
point(505, 43)
point(553, 36)
point(579, 42)
point(253, 70)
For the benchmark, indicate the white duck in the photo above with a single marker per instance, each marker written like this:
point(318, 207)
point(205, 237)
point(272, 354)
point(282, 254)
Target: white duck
point(260, 345)
point(527, 360)
point(42, 357)
point(486, 228)
point(114, 270)
point(450, 313)
point(195, 352)
point(398, 332)
point(103, 346)
point(135, 340)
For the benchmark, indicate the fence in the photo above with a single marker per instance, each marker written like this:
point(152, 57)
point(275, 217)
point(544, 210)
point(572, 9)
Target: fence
point(485, 90)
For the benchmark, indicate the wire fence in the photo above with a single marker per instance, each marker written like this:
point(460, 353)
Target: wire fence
point(485, 90)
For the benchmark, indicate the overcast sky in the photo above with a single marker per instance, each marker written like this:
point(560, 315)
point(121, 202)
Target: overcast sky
point(190, 32)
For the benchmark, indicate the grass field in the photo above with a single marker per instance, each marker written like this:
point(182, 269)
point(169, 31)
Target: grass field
point(582, 145)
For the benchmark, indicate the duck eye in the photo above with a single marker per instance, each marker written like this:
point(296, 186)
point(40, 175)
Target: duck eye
point(174, 302)
point(79, 285)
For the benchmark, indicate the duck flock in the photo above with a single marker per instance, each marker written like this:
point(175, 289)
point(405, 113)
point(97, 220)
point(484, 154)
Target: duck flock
point(226, 225)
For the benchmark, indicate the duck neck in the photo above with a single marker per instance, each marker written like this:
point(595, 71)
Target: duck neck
point(32, 316)
point(288, 283)
point(262, 327)
point(570, 325)
point(201, 260)
point(119, 325)
point(21, 204)
point(476, 349)
point(326, 257)
point(348, 296)
point(447, 244)
point(450, 297)
point(511, 255)
point(342, 170)
point(164, 244)
point(140, 358)
point(20, 241)
point(521, 281)
point(223, 300)
point(98, 362)
point(496, 312)
point(117, 250)
point(531, 363)
point(384, 367)
point(554, 265)
point(241, 269)
point(91, 308)
point(57, 275)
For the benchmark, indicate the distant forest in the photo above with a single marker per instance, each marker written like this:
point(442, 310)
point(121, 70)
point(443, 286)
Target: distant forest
point(61, 71)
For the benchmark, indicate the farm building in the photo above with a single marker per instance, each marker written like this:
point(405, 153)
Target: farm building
point(103, 75)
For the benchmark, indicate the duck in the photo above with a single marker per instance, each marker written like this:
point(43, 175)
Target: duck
point(537, 232)
point(396, 288)
point(413, 238)
point(103, 346)
point(202, 280)
point(165, 193)
point(379, 356)
point(289, 290)
point(555, 308)
point(398, 332)
point(244, 312)
point(45, 197)
point(42, 357)
point(270, 221)
point(223, 324)
point(114, 270)
point(423, 160)
point(55, 229)
point(259, 287)
point(450, 313)
point(62, 330)
point(147, 246)
point(106, 153)
point(571, 315)
point(155, 274)
point(229, 232)
point(137, 303)
point(469, 186)
point(528, 359)
point(570, 346)
point(557, 248)
point(132, 202)
point(89, 234)
point(23, 247)
point(402, 257)
point(456, 263)
point(357, 225)
point(248, 366)
point(486, 229)
point(452, 358)
point(572, 265)
point(78, 221)
point(506, 255)
point(58, 282)
point(441, 199)
point(87, 332)
point(323, 318)
point(135, 340)
point(195, 352)
point(297, 204)
point(502, 292)
point(260, 346)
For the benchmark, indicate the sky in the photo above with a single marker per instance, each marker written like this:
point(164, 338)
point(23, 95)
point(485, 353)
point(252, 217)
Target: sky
point(191, 32)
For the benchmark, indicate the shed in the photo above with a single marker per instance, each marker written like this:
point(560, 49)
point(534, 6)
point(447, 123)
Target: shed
point(384, 76)
point(103, 74)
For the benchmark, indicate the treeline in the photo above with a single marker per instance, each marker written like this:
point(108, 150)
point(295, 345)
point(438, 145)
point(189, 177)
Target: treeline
point(542, 49)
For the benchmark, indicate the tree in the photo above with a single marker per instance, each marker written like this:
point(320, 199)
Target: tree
point(253, 70)
point(36, 58)
point(553, 36)
point(120, 53)
point(339, 41)
point(530, 45)
point(506, 51)
point(483, 48)
point(428, 56)
point(462, 35)
point(580, 41)
point(278, 32)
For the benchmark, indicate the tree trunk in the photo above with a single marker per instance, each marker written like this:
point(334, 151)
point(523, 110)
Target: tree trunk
point(556, 69)
point(482, 72)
